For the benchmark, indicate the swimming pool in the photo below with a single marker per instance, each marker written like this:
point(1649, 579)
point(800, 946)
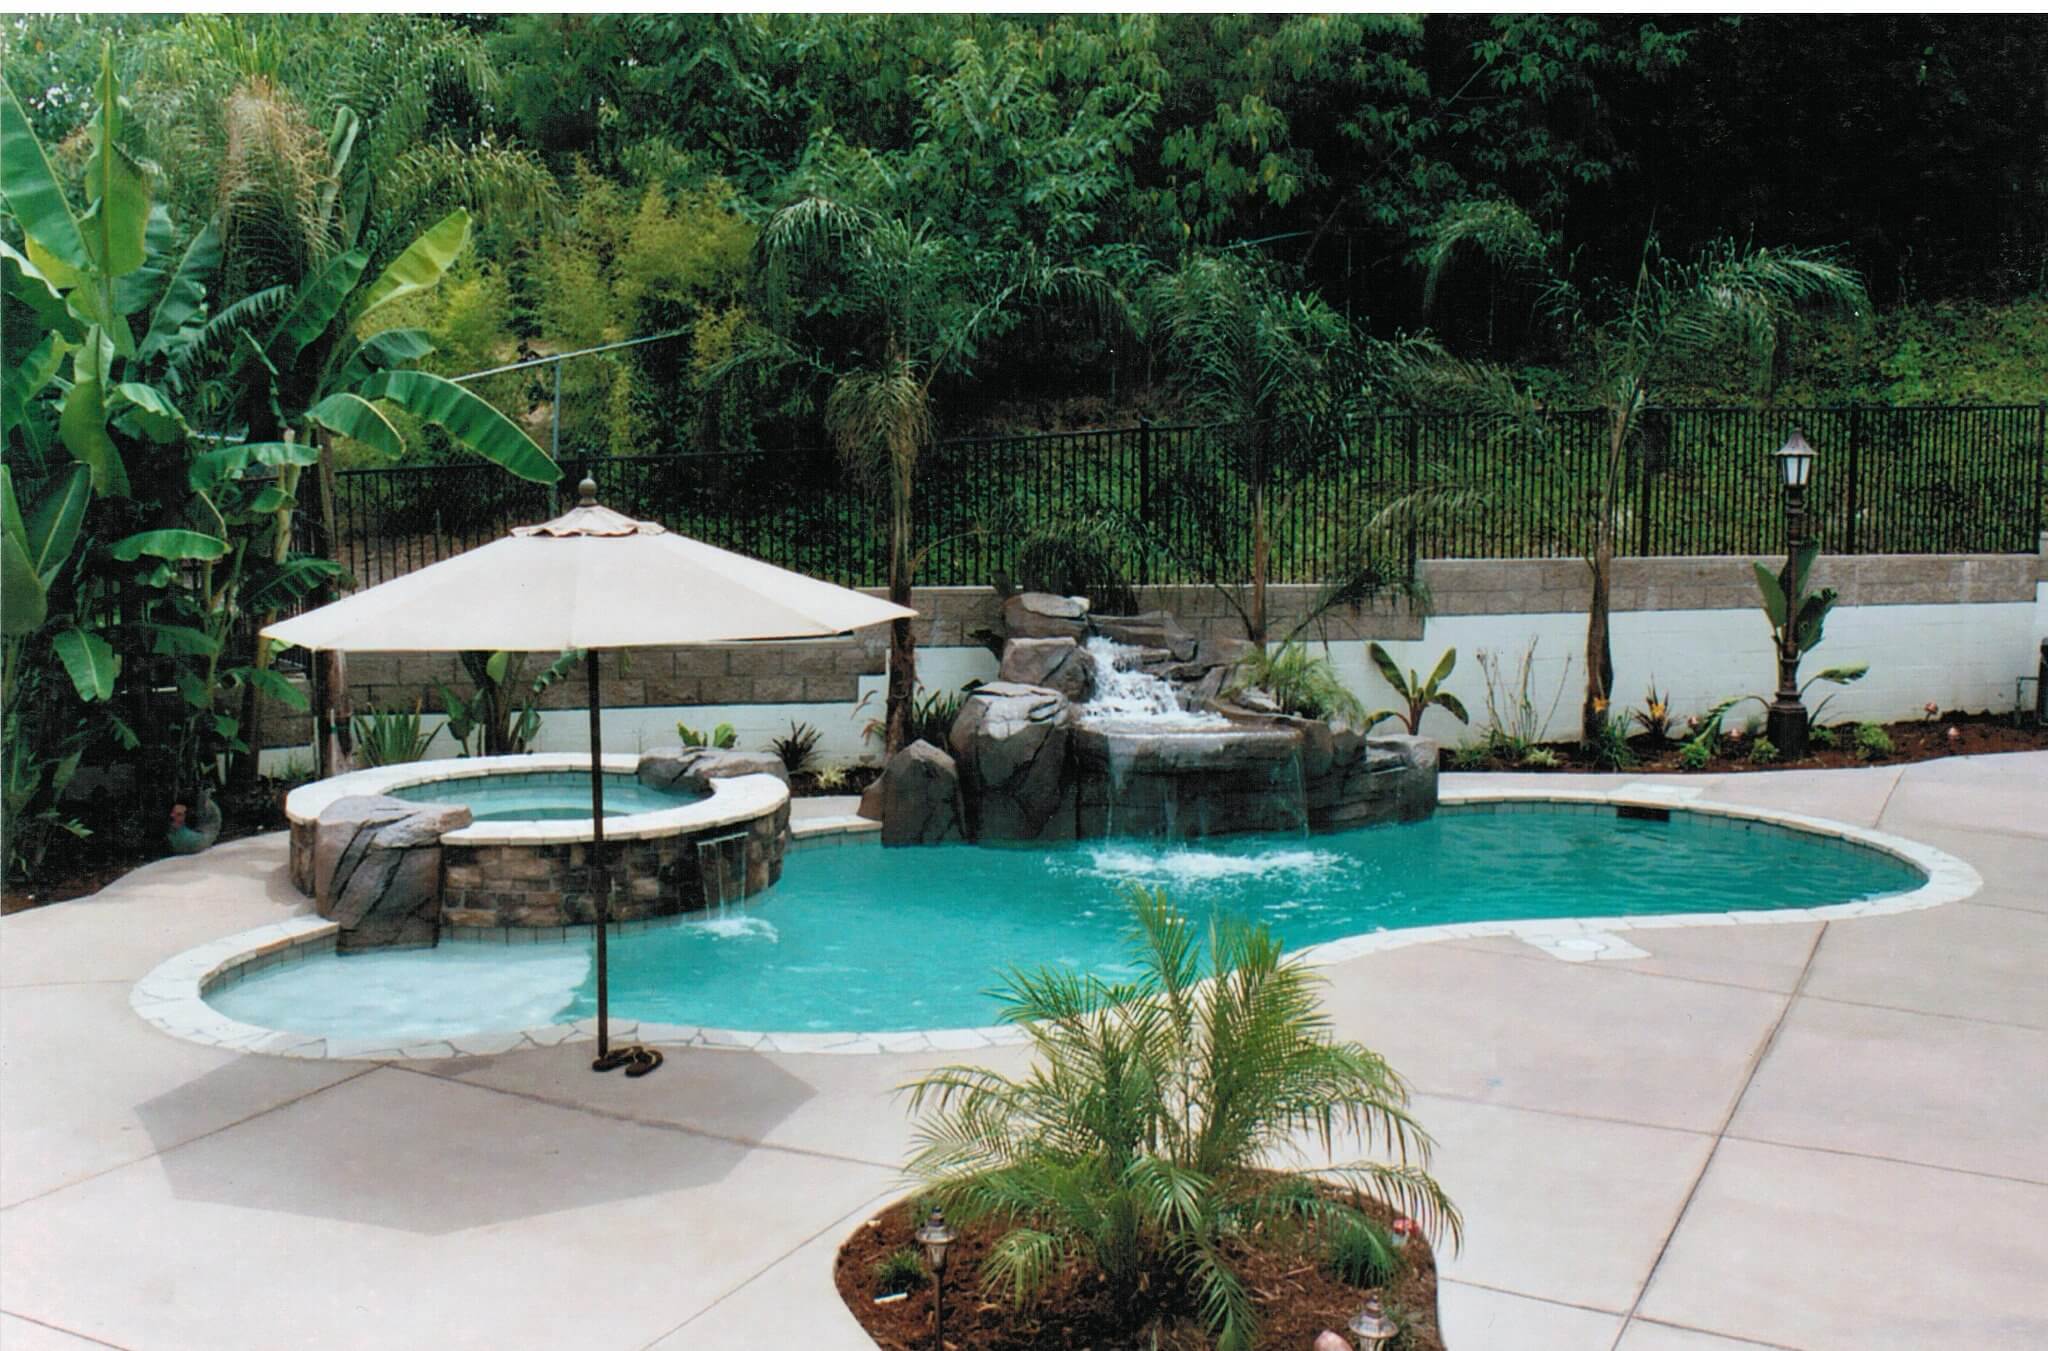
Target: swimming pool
point(863, 939)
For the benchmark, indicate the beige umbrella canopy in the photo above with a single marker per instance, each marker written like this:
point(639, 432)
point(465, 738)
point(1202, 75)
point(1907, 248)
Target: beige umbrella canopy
point(589, 579)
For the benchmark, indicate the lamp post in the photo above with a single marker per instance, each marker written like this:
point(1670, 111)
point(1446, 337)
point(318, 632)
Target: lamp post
point(1372, 1329)
point(1786, 724)
point(935, 1236)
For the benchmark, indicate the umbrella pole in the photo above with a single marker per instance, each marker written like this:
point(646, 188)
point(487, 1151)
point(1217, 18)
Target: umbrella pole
point(600, 875)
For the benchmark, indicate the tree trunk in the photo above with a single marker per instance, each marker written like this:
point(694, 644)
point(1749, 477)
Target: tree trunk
point(902, 641)
point(1599, 650)
point(334, 739)
point(1261, 551)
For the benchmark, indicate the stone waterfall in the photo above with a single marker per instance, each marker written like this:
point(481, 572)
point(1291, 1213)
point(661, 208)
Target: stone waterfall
point(1118, 725)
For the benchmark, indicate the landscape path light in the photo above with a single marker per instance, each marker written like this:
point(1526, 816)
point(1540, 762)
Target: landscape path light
point(1371, 1328)
point(1787, 721)
point(935, 1236)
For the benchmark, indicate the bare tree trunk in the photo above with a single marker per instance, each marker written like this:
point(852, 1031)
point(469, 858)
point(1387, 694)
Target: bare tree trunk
point(334, 739)
point(1261, 552)
point(1599, 650)
point(902, 641)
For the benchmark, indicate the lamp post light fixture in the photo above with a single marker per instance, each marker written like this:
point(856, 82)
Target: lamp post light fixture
point(1786, 723)
point(935, 1236)
point(1371, 1328)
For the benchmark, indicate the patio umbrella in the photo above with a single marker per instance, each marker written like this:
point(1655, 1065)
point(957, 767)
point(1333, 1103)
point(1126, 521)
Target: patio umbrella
point(590, 579)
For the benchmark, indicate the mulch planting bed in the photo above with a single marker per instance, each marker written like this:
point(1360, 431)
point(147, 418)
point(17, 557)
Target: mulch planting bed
point(1296, 1298)
point(1919, 739)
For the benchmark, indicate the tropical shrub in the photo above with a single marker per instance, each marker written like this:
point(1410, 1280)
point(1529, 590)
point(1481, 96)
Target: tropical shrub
point(390, 737)
point(720, 738)
point(1088, 555)
point(489, 722)
point(1872, 741)
point(1696, 754)
point(1302, 684)
point(901, 1270)
point(1418, 694)
point(1139, 1140)
point(1654, 717)
point(1358, 1251)
point(1762, 751)
point(1610, 749)
point(798, 749)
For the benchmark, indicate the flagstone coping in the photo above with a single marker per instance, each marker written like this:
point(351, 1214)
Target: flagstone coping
point(172, 997)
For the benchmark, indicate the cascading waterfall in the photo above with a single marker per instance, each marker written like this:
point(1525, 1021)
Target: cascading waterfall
point(1126, 694)
point(1165, 767)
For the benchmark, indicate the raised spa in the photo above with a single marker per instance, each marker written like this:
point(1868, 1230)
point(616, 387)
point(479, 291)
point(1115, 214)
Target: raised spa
point(860, 938)
point(406, 854)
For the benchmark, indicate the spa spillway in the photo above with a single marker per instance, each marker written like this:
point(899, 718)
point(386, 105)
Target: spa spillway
point(396, 853)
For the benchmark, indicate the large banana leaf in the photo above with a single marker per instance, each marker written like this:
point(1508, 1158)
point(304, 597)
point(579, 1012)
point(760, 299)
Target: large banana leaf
point(20, 385)
point(473, 423)
point(319, 299)
point(23, 280)
point(83, 427)
point(116, 221)
point(90, 663)
point(353, 416)
point(146, 408)
point(23, 602)
point(1773, 593)
point(209, 469)
point(382, 351)
point(32, 192)
point(54, 525)
point(425, 261)
point(174, 546)
point(184, 295)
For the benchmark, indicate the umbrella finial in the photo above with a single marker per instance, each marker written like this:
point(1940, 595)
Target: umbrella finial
point(587, 492)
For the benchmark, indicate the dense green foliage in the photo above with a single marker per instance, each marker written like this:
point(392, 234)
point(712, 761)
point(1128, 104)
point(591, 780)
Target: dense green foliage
point(618, 165)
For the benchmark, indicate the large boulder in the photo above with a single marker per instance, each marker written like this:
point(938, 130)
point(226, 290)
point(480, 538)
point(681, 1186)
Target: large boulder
point(1039, 614)
point(1153, 629)
point(377, 870)
point(687, 771)
point(1010, 742)
point(920, 797)
point(1053, 663)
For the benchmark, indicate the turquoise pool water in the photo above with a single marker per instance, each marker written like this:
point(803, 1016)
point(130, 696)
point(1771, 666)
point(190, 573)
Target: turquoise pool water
point(861, 938)
point(542, 796)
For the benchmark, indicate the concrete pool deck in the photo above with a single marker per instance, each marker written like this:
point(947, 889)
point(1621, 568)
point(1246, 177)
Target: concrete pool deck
point(1803, 1135)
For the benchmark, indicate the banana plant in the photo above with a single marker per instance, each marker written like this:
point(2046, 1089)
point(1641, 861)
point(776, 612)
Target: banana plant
point(1418, 694)
point(1795, 613)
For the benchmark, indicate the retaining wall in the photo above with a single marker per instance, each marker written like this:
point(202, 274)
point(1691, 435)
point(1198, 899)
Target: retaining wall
point(1954, 629)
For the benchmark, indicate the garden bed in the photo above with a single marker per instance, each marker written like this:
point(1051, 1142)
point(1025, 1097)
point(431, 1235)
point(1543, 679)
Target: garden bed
point(1911, 741)
point(1297, 1298)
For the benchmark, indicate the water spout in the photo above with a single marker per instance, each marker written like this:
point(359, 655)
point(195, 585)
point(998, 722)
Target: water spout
point(722, 871)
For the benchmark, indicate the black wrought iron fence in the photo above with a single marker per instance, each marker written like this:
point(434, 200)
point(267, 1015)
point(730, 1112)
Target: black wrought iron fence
point(1697, 481)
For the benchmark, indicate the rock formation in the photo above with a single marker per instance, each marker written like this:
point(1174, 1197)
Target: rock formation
point(920, 797)
point(377, 870)
point(1010, 742)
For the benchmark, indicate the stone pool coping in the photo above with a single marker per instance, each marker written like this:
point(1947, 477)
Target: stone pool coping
point(732, 801)
point(172, 997)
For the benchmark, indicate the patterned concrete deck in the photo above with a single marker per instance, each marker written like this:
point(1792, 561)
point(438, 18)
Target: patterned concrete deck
point(1819, 1135)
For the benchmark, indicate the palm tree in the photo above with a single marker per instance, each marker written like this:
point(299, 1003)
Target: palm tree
point(920, 311)
point(1143, 1134)
point(1636, 334)
point(1282, 381)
